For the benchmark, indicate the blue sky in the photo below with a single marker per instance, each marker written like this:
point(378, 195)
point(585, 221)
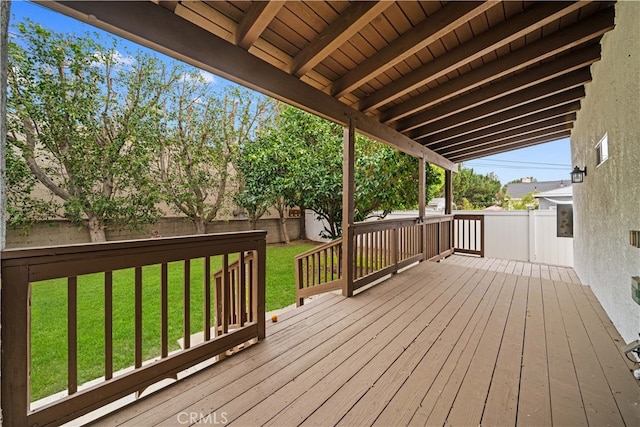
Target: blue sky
point(545, 162)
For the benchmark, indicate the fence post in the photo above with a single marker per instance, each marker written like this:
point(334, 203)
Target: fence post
point(15, 346)
point(532, 235)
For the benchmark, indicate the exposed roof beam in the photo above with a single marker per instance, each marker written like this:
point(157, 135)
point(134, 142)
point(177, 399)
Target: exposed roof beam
point(531, 19)
point(542, 73)
point(568, 100)
point(161, 30)
point(513, 146)
point(255, 21)
point(567, 110)
point(540, 50)
point(443, 21)
point(543, 90)
point(533, 130)
point(350, 21)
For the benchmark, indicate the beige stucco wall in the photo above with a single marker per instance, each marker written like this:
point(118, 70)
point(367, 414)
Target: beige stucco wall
point(61, 232)
point(607, 205)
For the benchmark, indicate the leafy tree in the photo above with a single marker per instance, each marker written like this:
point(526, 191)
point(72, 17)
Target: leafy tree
point(81, 118)
point(270, 178)
point(479, 191)
point(385, 178)
point(199, 140)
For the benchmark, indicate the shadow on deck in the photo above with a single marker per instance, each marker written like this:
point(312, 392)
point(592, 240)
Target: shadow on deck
point(439, 343)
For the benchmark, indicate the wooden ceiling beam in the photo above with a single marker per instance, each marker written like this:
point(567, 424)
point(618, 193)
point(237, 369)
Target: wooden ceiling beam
point(350, 21)
point(558, 67)
point(569, 100)
point(543, 90)
point(513, 146)
point(255, 21)
point(534, 129)
point(501, 35)
point(557, 43)
point(510, 129)
point(432, 28)
point(159, 29)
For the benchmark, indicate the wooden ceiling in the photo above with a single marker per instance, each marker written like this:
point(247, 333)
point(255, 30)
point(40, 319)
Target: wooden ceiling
point(450, 81)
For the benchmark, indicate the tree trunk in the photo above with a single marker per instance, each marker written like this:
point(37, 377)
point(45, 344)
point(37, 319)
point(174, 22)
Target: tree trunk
point(303, 223)
point(96, 230)
point(283, 227)
point(199, 224)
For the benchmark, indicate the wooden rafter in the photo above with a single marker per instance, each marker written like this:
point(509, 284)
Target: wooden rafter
point(569, 99)
point(542, 73)
point(342, 29)
point(533, 130)
point(543, 90)
point(566, 110)
point(545, 48)
point(532, 19)
point(260, 14)
point(428, 31)
point(513, 146)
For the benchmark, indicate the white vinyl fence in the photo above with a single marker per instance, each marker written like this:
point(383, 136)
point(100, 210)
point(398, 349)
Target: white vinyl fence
point(525, 236)
point(515, 235)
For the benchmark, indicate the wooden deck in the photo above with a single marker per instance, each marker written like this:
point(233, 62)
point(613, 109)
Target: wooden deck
point(437, 344)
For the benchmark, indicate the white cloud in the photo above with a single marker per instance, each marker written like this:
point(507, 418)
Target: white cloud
point(208, 77)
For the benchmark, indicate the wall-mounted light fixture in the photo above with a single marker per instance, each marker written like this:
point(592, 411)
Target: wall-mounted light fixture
point(577, 175)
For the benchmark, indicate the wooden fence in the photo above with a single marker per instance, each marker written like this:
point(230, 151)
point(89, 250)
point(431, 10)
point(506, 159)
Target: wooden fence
point(469, 234)
point(239, 302)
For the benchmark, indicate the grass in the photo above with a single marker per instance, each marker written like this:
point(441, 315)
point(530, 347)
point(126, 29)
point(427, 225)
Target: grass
point(49, 316)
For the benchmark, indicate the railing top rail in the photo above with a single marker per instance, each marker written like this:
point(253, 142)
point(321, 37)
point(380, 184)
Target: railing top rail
point(383, 224)
point(430, 219)
point(86, 258)
point(469, 216)
point(327, 245)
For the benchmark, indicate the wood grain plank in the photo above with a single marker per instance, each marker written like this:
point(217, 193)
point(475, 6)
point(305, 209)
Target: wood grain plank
point(434, 407)
point(319, 404)
point(534, 403)
point(502, 400)
point(434, 343)
point(600, 409)
point(401, 408)
point(608, 364)
point(566, 400)
point(469, 404)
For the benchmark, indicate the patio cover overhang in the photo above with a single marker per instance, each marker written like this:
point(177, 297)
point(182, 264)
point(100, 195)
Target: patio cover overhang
point(443, 81)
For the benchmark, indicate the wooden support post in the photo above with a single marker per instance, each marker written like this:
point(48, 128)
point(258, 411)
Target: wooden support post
point(348, 206)
point(448, 191)
point(422, 201)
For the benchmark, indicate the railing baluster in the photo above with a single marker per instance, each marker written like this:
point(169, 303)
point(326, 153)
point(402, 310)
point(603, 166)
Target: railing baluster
point(72, 334)
point(138, 317)
point(164, 310)
point(226, 300)
point(186, 304)
point(206, 305)
point(243, 289)
point(108, 325)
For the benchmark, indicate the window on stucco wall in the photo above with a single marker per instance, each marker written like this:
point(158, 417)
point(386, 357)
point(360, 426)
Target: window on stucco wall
point(602, 150)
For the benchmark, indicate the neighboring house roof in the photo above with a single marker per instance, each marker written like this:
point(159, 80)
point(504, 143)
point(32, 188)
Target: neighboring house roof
point(558, 192)
point(494, 208)
point(518, 190)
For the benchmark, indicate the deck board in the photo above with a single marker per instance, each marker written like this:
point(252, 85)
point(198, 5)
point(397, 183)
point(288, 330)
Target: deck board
point(440, 343)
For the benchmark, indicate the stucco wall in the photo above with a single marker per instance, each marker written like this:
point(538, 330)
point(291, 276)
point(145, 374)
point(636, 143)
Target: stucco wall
point(607, 205)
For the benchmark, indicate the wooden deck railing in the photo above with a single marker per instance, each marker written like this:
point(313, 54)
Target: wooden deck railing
point(469, 234)
point(239, 324)
point(318, 270)
point(380, 248)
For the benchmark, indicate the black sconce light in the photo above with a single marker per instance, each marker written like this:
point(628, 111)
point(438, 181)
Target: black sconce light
point(577, 175)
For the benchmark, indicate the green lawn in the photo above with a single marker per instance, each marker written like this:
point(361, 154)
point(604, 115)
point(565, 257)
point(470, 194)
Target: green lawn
point(49, 316)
